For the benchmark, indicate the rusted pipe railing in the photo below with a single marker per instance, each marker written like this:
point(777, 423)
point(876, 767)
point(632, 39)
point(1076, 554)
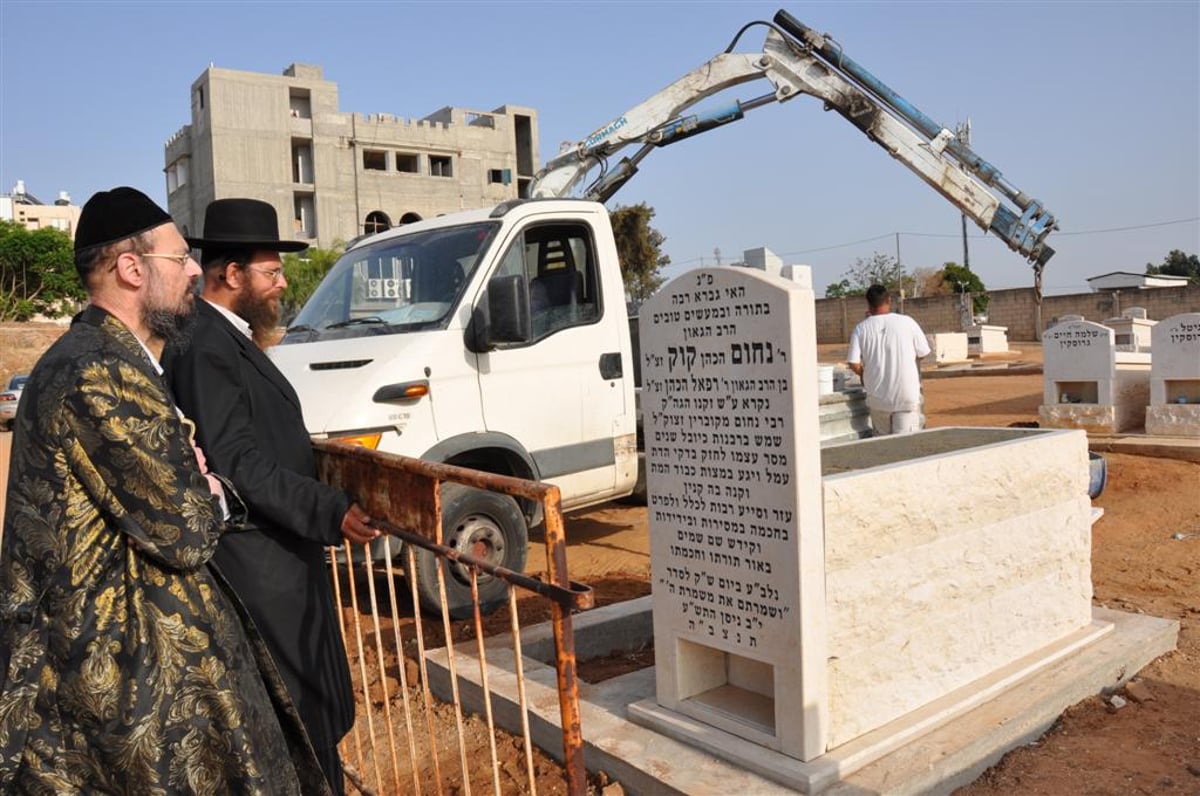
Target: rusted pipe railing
point(406, 492)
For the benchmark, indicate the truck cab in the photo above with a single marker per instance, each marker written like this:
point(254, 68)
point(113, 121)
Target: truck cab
point(491, 339)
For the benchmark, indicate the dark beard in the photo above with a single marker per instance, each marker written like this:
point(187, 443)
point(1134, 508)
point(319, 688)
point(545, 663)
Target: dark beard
point(261, 313)
point(173, 329)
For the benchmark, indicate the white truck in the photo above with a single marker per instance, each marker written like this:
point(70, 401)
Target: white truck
point(497, 339)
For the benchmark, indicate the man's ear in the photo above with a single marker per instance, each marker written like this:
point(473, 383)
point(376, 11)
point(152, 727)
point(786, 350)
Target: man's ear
point(130, 269)
point(231, 275)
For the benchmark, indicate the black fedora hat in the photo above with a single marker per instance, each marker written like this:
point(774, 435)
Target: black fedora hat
point(243, 224)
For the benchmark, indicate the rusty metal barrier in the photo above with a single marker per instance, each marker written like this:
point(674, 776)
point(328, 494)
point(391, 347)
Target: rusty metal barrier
point(403, 497)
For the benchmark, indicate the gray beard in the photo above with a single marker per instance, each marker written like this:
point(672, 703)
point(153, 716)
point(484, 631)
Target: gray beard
point(174, 329)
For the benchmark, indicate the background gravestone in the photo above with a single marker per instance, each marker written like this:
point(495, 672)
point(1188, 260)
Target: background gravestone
point(1174, 408)
point(1088, 383)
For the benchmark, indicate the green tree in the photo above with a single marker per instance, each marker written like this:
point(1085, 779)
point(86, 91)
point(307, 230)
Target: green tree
point(37, 273)
point(878, 269)
point(304, 271)
point(1178, 264)
point(842, 289)
point(961, 279)
point(639, 249)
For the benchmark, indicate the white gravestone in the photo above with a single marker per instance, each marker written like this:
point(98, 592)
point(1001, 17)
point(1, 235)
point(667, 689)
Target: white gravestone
point(764, 260)
point(946, 347)
point(1133, 332)
point(984, 339)
point(1174, 408)
point(1088, 384)
point(737, 551)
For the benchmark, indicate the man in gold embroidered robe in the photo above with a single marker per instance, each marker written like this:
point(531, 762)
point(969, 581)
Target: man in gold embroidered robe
point(125, 666)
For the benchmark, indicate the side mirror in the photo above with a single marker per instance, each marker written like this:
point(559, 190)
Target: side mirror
point(506, 319)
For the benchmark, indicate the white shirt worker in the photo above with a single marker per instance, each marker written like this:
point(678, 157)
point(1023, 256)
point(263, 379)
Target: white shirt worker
point(888, 347)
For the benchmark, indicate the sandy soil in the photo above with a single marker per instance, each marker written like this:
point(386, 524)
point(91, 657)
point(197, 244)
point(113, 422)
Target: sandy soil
point(1146, 557)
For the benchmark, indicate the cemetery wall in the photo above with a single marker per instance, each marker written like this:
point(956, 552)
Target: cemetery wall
point(1014, 308)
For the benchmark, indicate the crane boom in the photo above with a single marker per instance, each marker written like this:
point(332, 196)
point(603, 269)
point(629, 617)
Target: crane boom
point(796, 60)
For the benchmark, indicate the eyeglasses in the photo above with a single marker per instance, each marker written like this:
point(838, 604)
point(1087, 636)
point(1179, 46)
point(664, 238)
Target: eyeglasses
point(274, 274)
point(180, 259)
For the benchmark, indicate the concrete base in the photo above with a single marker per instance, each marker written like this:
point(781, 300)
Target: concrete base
point(1184, 448)
point(929, 751)
point(843, 416)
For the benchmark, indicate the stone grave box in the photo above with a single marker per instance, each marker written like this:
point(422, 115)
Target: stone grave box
point(1088, 384)
point(946, 347)
point(1132, 331)
point(983, 339)
point(949, 554)
point(815, 601)
point(1174, 408)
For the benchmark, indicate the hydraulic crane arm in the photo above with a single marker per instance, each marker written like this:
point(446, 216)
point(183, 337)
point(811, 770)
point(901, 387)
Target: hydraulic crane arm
point(797, 60)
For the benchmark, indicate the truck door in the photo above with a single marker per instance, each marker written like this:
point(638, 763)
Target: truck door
point(560, 394)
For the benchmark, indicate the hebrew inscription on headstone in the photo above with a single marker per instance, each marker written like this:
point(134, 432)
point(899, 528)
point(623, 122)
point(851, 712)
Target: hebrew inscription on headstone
point(729, 401)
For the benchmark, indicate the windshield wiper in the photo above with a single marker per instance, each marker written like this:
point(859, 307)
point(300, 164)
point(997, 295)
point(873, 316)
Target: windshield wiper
point(370, 319)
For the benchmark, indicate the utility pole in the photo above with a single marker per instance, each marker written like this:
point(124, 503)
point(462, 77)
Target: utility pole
point(963, 134)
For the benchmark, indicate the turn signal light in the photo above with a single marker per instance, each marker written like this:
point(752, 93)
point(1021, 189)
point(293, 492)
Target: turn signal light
point(369, 440)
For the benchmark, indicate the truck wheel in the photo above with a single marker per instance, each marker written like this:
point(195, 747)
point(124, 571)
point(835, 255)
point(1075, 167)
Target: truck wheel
point(486, 525)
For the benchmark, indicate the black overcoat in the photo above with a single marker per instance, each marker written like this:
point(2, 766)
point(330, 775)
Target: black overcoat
point(250, 427)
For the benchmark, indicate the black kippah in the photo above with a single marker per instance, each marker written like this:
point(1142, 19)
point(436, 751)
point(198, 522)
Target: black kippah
point(110, 216)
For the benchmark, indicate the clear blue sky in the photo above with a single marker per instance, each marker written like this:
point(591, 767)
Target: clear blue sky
point(1093, 108)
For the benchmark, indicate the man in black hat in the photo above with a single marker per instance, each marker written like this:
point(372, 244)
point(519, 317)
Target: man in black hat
point(250, 425)
point(124, 666)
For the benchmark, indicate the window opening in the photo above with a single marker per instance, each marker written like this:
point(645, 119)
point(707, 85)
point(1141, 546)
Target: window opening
point(305, 216)
point(407, 163)
point(374, 160)
point(377, 221)
point(302, 162)
point(559, 263)
point(300, 103)
point(440, 166)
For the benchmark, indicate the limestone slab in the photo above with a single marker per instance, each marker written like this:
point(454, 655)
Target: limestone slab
point(936, 576)
point(1173, 420)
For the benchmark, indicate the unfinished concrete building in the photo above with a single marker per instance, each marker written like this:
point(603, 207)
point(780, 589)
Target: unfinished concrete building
point(333, 176)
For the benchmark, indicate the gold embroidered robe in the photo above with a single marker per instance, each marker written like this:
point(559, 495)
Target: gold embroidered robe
point(126, 666)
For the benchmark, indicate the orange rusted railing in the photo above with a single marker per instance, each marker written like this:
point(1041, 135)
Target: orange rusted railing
point(403, 497)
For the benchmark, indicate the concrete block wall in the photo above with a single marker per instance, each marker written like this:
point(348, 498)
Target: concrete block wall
point(1014, 308)
point(935, 577)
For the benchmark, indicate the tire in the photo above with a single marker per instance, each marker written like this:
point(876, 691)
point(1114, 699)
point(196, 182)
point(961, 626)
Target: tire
point(487, 525)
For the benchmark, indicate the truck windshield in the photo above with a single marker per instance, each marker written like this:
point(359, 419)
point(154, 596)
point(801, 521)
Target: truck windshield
point(399, 284)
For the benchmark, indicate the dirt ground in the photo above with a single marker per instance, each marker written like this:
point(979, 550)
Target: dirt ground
point(1146, 558)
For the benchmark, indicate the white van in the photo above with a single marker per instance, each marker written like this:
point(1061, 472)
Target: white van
point(491, 339)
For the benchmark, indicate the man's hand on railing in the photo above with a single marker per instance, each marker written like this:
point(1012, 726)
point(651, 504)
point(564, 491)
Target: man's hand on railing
point(356, 525)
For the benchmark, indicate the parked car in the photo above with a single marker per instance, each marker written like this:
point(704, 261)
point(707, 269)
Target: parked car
point(10, 397)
